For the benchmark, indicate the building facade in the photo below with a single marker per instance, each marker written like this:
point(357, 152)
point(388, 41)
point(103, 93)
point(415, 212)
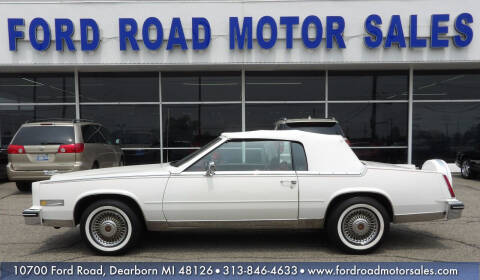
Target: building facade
point(165, 77)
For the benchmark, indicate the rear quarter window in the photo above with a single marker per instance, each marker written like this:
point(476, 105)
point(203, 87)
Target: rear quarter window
point(299, 157)
point(44, 135)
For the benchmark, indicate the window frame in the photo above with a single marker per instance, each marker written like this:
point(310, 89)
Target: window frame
point(243, 172)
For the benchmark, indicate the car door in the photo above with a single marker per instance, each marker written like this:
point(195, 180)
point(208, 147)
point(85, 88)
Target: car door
point(254, 181)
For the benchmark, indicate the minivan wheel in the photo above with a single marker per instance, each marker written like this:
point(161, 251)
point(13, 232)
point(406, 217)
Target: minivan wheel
point(358, 225)
point(110, 227)
point(466, 169)
point(24, 186)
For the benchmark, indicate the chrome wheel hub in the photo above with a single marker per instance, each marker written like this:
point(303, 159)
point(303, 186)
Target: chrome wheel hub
point(108, 228)
point(360, 226)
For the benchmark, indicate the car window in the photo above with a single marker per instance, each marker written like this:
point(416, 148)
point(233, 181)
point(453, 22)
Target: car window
point(91, 134)
point(44, 135)
point(299, 157)
point(106, 134)
point(264, 155)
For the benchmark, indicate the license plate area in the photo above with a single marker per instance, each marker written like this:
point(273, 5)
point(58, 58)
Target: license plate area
point(42, 157)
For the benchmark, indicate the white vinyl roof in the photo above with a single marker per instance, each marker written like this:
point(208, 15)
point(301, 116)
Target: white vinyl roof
point(326, 154)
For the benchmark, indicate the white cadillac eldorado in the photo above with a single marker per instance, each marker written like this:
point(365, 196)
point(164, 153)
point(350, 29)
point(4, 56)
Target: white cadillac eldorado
point(287, 178)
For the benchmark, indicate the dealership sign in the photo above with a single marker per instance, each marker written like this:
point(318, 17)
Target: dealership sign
point(133, 34)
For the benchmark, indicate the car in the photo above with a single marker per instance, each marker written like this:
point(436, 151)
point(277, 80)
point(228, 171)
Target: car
point(43, 148)
point(317, 125)
point(256, 179)
point(469, 163)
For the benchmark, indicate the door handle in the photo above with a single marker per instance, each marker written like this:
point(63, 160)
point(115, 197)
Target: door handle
point(290, 183)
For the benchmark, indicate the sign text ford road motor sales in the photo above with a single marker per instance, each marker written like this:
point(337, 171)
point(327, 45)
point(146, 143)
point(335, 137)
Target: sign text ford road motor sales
point(241, 32)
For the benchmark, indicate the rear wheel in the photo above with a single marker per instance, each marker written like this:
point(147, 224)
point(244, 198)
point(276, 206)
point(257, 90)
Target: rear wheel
point(24, 186)
point(358, 225)
point(110, 227)
point(466, 169)
point(95, 165)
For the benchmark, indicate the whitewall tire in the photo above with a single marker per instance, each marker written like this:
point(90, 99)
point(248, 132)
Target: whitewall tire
point(110, 227)
point(358, 225)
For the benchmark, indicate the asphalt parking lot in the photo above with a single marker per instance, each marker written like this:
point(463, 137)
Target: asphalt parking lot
point(456, 240)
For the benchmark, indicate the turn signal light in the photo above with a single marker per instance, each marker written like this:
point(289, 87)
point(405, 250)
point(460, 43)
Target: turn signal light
point(71, 148)
point(449, 185)
point(16, 149)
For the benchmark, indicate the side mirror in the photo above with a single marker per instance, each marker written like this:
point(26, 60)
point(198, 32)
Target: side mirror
point(210, 168)
point(117, 141)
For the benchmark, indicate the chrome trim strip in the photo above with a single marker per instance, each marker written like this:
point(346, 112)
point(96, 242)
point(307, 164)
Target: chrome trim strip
point(58, 223)
point(418, 217)
point(260, 224)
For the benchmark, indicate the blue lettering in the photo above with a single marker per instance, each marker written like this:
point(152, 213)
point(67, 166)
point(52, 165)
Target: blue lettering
point(376, 36)
point(335, 33)
point(415, 42)
point(395, 33)
point(196, 44)
point(318, 28)
point(289, 22)
point(438, 30)
point(273, 32)
point(129, 35)
point(465, 31)
point(152, 45)
point(62, 34)
point(176, 28)
point(87, 24)
point(240, 35)
point(39, 22)
point(13, 33)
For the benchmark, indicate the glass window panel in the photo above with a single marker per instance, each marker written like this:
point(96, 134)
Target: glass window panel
point(135, 125)
point(176, 154)
point(37, 88)
point(299, 157)
point(12, 117)
point(440, 130)
point(119, 87)
point(372, 124)
point(142, 156)
point(196, 125)
point(359, 85)
point(204, 86)
point(444, 85)
point(383, 155)
point(285, 86)
point(264, 116)
point(248, 156)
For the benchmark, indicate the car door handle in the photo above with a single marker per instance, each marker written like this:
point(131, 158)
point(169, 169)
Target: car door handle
point(290, 183)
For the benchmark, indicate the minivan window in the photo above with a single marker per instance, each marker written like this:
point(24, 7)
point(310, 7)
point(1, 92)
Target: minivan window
point(44, 135)
point(91, 134)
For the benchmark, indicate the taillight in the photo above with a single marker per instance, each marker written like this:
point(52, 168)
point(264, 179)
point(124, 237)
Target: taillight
point(449, 185)
point(71, 148)
point(16, 149)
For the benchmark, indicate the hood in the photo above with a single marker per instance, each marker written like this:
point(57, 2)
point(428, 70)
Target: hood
point(123, 171)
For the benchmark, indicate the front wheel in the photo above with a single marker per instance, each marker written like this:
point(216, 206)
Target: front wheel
point(358, 225)
point(110, 227)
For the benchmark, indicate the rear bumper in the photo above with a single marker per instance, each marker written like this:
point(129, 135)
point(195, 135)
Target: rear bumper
point(35, 175)
point(454, 209)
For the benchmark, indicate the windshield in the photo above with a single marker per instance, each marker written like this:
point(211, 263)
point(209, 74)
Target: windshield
point(44, 135)
point(177, 163)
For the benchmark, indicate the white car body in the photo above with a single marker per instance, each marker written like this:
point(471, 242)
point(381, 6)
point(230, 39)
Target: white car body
point(170, 196)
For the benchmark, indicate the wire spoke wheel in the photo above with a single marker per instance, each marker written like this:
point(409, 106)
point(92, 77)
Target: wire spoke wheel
point(360, 226)
point(109, 228)
point(466, 169)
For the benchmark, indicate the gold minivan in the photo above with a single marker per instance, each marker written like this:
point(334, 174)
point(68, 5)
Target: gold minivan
point(43, 148)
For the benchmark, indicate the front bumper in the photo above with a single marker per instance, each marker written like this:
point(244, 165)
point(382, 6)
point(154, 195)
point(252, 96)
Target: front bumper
point(454, 209)
point(32, 216)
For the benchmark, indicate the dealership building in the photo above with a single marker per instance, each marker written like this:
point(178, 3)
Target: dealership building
point(401, 77)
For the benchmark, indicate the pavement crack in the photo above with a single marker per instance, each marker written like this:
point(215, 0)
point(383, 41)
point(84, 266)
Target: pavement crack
point(444, 238)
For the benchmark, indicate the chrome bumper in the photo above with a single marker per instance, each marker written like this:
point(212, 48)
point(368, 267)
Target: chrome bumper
point(32, 216)
point(454, 210)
